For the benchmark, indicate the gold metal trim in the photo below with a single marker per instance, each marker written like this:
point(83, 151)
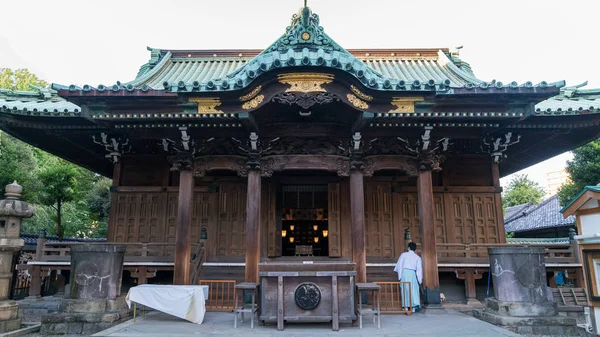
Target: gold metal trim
point(206, 105)
point(251, 94)
point(357, 102)
point(305, 82)
point(360, 94)
point(405, 104)
point(252, 104)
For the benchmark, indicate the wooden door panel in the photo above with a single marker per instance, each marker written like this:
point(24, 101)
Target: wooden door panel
point(378, 219)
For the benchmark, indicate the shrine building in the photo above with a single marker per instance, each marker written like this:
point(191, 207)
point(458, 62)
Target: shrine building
point(306, 151)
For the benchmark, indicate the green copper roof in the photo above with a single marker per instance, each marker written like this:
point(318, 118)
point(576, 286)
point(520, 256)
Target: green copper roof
point(571, 100)
point(585, 189)
point(39, 101)
point(304, 44)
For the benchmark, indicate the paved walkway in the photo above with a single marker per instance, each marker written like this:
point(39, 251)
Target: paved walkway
point(451, 323)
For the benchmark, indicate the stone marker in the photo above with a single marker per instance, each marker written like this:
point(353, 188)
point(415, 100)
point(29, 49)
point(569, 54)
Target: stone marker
point(523, 302)
point(94, 302)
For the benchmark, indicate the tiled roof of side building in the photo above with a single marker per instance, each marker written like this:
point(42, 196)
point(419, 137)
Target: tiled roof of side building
point(538, 241)
point(545, 215)
point(38, 101)
point(571, 100)
point(514, 211)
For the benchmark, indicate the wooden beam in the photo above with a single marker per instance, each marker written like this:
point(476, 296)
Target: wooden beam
point(469, 276)
point(248, 121)
point(357, 211)
point(585, 197)
point(361, 120)
point(253, 226)
point(427, 228)
point(183, 229)
point(116, 178)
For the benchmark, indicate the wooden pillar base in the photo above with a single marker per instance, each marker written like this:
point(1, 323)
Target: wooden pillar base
point(469, 276)
point(428, 246)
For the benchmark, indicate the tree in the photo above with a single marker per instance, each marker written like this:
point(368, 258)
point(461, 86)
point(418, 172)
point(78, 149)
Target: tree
point(17, 162)
point(584, 170)
point(58, 180)
point(522, 190)
point(19, 79)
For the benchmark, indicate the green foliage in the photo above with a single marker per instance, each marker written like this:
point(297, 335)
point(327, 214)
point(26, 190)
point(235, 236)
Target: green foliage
point(584, 170)
point(17, 162)
point(68, 199)
point(19, 79)
point(522, 190)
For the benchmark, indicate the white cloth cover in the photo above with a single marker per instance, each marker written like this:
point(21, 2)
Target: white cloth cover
point(185, 302)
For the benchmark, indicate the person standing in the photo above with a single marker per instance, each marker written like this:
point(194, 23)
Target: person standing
point(410, 269)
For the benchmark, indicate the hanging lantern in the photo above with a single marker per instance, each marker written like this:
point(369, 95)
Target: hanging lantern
point(315, 227)
point(316, 239)
point(283, 233)
point(325, 233)
point(291, 239)
point(291, 227)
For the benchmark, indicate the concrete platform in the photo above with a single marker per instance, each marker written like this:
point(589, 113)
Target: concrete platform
point(452, 323)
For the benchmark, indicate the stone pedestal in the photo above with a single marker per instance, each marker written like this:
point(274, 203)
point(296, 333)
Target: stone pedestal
point(94, 302)
point(12, 211)
point(523, 302)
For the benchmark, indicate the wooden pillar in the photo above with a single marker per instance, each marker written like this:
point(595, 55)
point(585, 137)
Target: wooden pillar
point(357, 221)
point(253, 226)
point(498, 202)
point(114, 202)
point(427, 229)
point(183, 229)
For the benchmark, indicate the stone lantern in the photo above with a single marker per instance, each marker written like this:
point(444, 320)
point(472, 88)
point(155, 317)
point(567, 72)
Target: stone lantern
point(12, 211)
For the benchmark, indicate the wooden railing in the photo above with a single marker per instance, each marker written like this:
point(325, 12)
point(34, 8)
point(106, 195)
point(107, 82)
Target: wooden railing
point(221, 295)
point(392, 298)
point(477, 253)
point(135, 252)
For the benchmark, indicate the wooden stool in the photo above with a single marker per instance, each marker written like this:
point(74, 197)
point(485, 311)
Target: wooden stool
point(375, 310)
point(240, 309)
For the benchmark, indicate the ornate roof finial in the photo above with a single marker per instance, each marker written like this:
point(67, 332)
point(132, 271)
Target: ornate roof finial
point(305, 1)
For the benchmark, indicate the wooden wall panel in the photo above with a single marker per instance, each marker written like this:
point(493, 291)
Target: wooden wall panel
point(378, 219)
point(334, 220)
point(171, 217)
point(439, 218)
point(139, 217)
point(346, 235)
point(460, 217)
point(231, 228)
point(271, 234)
point(484, 206)
point(204, 215)
point(405, 204)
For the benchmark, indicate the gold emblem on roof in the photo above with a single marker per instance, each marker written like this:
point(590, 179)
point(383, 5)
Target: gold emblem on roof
point(357, 102)
point(251, 94)
point(405, 104)
point(360, 94)
point(305, 82)
point(206, 105)
point(254, 103)
point(305, 36)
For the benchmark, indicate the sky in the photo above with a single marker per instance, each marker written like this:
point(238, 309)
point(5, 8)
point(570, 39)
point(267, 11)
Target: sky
point(101, 42)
